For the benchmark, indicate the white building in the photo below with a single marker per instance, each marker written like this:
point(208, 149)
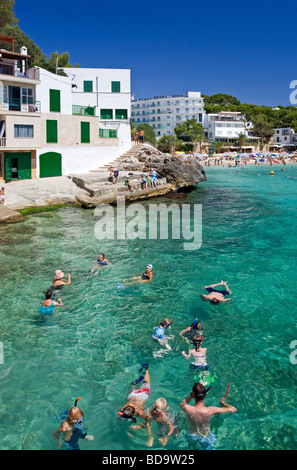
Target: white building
point(164, 113)
point(284, 137)
point(52, 125)
point(226, 126)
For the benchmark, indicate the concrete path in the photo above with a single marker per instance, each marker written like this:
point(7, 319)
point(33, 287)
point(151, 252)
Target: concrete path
point(40, 192)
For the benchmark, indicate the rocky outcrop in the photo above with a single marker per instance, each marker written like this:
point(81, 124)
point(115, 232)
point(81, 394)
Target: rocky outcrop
point(178, 171)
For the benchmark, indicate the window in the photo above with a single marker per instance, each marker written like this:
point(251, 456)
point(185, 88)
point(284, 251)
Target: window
point(116, 87)
point(121, 114)
point(85, 132)
point(51, 131)
point(88, 86)
point(23, 131)
point(106, 114)
point(55, 101)
point(27, 95)
point(109, 133)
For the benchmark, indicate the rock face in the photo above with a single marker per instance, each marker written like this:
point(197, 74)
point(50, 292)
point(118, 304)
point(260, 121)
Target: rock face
point(178, 171)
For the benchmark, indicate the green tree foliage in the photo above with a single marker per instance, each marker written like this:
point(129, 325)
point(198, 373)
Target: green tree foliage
point(263, 130)
point(166, 143)
point(37, 58)
point(7, 16)
point(60, 60)
point(9, 27)
point(189, 131)
point(241, 140)
point(149, 133)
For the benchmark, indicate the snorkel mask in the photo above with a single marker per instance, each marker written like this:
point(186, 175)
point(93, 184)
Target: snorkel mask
point(199, 396)
point(125, 415)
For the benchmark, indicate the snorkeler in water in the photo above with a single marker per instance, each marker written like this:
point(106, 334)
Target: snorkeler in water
point(215, 296)
point(159, 333)
point(196, 329)
point(199, 355)
point(71, 429)
point(159, 414)
point(136, 401)
point(147, 276)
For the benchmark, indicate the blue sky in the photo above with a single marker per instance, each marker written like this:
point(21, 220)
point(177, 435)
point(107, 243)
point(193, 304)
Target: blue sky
point(246, 49)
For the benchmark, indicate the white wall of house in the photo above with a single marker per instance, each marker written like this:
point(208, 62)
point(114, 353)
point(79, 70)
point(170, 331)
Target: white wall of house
point(55, 82)
point(83, 159)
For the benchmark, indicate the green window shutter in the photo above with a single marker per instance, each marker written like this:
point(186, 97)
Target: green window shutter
point(55, 101)
point(85, 132)
point(88, 86)
point(121, 114)
point(113, 133)
point(116, 87)
point(51, 131)
point(106, 114)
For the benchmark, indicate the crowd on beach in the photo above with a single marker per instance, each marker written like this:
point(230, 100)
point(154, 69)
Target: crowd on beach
point(198, 415)
point(234, 158)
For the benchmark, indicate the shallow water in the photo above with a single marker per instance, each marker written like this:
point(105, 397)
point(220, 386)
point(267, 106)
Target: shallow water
point(94, 345)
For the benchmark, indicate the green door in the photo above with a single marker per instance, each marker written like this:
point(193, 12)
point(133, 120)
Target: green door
point(17, 166)
point(7, 168)
point(50, 164)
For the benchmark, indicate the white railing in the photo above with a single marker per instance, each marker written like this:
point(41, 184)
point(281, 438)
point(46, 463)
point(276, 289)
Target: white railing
point(2, 141)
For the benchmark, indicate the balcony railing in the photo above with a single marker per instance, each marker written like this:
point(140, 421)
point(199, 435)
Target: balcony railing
point(2, 142)
point(17, 105)
point(83, 110)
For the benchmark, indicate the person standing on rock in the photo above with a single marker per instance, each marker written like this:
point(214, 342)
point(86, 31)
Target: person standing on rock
point(144, 180)
point(141, 136)
point(136, 137)
point(153, 180)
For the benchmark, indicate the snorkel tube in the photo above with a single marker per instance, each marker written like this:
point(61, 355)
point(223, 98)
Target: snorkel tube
point(228, 388)
point(75, 403)
point(168, 325)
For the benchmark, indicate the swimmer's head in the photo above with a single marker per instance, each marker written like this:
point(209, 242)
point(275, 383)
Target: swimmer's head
point(128, 412)
point(160, 405)
point(75, 415)
point(199, 392)
point(214, 301)
point(150, 267)
point(48, 294)
point(197, 341)
point(197, 325)
point(58, 275)
point(101, 256)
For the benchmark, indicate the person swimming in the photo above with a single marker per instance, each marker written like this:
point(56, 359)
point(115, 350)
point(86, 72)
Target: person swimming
point(160, 332)
point(158, 413)
point(147, 276)
point(101, 261)
point(47, 307)
point(195, 328)
point(199, 417)
point(59, 283)
point(136, 401)
point(71, 429)
point(199, 355)
point(216, 296)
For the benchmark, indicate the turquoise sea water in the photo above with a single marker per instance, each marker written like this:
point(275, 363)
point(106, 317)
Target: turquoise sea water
point(95, 343)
